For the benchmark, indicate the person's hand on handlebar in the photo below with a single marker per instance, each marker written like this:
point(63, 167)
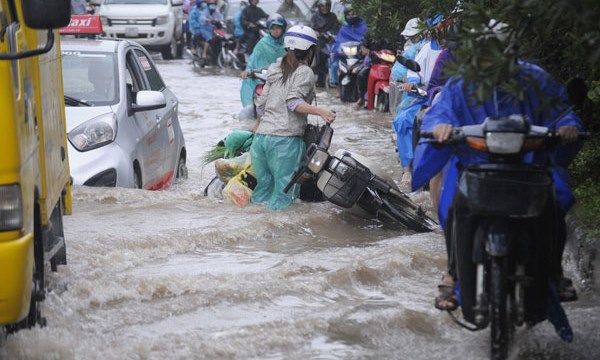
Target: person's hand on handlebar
point(442, 132)
point(568, 134)
point(244, 74)
point(407, 86)
point(327, 115)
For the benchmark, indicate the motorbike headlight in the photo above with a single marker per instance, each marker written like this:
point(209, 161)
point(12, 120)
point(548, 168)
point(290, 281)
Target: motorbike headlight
point(11, 208)
point(94, 133)
point(504, 143)
point(317, 161)
point(350, 50)
point(104, 20)
point(161, 20)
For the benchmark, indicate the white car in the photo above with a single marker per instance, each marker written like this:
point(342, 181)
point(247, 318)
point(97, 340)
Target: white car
point(154, 24)
point(122, 120)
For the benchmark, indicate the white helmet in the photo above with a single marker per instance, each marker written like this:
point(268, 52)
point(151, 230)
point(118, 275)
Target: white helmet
point(412, 28)
point(299, 37)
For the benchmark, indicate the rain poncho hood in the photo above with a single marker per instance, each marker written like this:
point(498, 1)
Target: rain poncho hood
point(349, 33)
point(266, 52)
point(454, 107)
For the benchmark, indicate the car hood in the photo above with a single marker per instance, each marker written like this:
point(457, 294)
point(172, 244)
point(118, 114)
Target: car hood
point(134, 11)
point(77, 115)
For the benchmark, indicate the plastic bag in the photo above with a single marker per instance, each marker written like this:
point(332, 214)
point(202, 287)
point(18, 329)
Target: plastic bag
point(226, 169)
point(238, 189)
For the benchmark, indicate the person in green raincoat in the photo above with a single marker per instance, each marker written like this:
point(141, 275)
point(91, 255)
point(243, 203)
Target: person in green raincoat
point(266, 52)
point(278, 146)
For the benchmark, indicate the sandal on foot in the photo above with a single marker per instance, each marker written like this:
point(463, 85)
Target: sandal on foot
point(446, 300)
point(566, 291)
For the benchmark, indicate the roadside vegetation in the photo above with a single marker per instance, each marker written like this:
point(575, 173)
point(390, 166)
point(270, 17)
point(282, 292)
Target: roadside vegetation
point(562, 36)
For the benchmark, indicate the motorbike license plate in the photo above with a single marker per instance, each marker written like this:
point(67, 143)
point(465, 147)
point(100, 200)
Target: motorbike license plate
point(346, 80)
point(131, 32)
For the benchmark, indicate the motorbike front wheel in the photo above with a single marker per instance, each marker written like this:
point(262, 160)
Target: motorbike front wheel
point(399, 207)
point(500, 321)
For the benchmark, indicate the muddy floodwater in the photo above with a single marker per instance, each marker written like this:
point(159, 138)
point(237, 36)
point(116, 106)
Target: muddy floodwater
point(177, 275)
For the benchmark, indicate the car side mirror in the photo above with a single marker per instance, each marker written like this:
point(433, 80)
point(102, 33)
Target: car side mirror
point(47, 14)
point(147, 100)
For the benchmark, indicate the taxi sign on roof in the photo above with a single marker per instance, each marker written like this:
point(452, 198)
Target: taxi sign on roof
point(83, 24)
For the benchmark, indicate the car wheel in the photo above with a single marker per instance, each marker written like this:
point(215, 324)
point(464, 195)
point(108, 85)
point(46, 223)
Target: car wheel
point(137, 178)
point(182, 170)
point(179, 50)
point(168, 51)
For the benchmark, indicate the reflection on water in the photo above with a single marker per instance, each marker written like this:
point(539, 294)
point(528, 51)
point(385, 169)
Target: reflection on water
point(176, 275)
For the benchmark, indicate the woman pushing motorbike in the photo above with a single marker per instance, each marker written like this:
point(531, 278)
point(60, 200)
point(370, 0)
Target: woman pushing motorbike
point(278, 146)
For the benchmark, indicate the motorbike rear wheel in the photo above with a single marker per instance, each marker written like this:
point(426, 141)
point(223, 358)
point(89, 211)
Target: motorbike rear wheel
point(500, 321)
point(383, 102)
point(399, 207)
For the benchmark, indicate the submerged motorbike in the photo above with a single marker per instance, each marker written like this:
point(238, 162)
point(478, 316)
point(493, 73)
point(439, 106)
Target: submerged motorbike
point(502, 227)
point(353, 182)
point(349, 59)
point(378, 88)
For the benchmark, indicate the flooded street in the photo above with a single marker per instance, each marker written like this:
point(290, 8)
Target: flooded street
point(177, 275)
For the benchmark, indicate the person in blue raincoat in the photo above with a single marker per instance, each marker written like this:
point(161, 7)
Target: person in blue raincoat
point(404, 121)
point(414, 41)
point(238, 29)
point(195, 25)
point(207, 24)
point(454, 107)
point(354, 29)
point(266, 52)
point(278, 145)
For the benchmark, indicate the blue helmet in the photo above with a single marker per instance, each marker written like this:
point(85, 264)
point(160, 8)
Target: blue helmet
point(276, 19)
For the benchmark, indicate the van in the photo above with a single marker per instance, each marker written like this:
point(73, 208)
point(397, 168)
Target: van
point(35, 188)
point(154, 24)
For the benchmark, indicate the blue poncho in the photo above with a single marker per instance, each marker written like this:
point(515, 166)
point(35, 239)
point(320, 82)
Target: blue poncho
point(454, 107)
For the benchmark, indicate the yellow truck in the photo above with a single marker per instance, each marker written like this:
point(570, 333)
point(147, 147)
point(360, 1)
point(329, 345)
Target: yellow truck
point(35, 188)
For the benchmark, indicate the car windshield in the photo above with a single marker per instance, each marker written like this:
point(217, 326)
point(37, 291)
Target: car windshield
point(90, 76)
point(160, 2)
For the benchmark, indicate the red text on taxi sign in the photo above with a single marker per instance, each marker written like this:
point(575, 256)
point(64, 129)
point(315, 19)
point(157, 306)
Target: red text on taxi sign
point(83, 24)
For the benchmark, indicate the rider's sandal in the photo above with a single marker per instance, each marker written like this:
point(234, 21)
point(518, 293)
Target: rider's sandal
point(446, 300)
point(566, 290)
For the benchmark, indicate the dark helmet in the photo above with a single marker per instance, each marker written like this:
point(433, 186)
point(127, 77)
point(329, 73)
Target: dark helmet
point(324, 3)
point(276, 19)
point(452, 39)
point(347, 9)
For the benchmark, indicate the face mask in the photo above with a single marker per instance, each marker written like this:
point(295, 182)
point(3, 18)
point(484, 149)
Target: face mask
point(353, 20)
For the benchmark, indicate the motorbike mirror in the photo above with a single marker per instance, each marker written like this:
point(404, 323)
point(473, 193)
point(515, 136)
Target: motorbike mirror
point(409, 64)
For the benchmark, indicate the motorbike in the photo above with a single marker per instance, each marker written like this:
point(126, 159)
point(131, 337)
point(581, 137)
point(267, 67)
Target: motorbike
point(228, 56)
point(378, 88)
point(503, 232)
point(325, 56)
point(353, 182)
point(220, 46)
point(349, 59)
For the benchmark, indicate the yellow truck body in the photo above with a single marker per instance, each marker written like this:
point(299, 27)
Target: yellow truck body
point(34, 171)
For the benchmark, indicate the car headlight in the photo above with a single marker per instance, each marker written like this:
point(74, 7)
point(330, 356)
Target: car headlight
point(504, 143)
point(161, 20)
point(94, 133)
point(11, 208)
point(317, 161)
point(104, 20)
